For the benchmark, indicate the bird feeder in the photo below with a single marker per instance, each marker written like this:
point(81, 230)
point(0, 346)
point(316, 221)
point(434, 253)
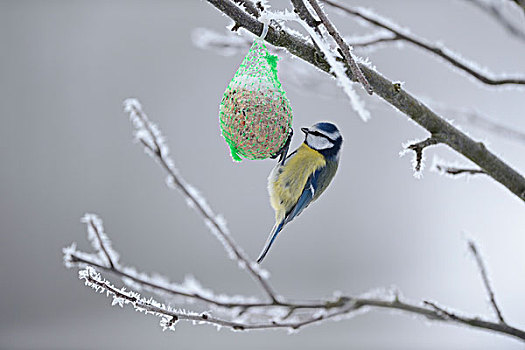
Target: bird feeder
point(255, 115)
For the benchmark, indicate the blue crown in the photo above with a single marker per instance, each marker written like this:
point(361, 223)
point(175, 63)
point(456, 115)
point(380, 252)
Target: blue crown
point(326, 126)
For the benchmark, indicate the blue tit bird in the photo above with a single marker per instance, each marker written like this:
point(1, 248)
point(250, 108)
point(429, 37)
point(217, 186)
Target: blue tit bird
point(303, 176)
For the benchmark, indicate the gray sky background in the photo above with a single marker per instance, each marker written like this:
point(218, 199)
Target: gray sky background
point(66, 149)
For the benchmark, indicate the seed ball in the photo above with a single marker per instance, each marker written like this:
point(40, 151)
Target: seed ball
point(255, 123)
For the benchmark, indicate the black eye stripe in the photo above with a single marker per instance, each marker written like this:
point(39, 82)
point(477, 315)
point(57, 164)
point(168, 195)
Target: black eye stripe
point(317, 133)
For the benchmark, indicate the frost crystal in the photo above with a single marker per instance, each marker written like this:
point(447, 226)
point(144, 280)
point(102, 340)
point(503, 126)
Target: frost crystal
point(167, 324)
point(68, 252)
point(118, 301)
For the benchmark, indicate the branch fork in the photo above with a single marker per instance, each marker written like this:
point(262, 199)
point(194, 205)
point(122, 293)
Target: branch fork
point(418, 149)
point(343, 46)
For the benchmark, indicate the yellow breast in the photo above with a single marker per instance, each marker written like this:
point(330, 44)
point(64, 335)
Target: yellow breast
point(287, 182)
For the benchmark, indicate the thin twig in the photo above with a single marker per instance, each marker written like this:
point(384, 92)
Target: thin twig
point(373, 42)
point(393, 94)
point(442, 311)
point(153, 145)
point(484, 276)
point(81, 259)
point(495, 11)
point(80, 262)
point(102, 245)
point(458, 171)
point(345, 49)
point(155, 287)
point(423, 44)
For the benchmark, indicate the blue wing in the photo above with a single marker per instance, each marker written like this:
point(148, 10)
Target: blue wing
point(304, 200)
point(306, 197)
point(315, 186)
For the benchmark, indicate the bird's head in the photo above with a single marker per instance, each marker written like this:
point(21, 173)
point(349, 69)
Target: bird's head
point(325, 138)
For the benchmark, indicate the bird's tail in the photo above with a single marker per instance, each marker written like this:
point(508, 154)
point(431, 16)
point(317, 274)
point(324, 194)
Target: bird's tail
point(271, 238)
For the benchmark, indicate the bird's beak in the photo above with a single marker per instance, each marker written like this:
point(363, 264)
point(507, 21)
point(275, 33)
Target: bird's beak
point(305, 130)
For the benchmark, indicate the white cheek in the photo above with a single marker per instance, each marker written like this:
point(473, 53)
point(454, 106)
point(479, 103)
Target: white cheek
point(318, 142)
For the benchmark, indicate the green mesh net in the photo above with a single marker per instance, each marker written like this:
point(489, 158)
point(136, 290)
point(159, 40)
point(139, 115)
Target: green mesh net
point(255, 115)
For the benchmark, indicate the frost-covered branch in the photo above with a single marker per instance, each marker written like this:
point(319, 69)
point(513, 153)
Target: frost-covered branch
point(484, 276)
point(234, 312)
point(345, 49)
point(170, 316)
point(253, 315)
point(191, 290)
point(437, 49)
point(157, 284)
point(152, 140)
point(100, 241)
point(393, 94)
point(337, 68)
point(303, 13)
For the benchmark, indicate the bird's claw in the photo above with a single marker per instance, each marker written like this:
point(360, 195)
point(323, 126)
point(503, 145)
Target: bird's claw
point(283, 152)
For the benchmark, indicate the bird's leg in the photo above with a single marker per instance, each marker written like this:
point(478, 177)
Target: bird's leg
point(283, 152)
